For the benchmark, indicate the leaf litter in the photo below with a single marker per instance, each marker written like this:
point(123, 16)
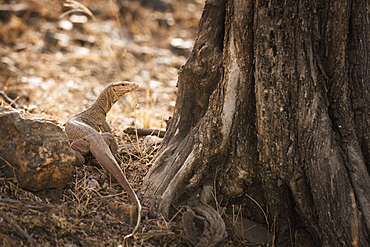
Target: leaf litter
point(55, 60)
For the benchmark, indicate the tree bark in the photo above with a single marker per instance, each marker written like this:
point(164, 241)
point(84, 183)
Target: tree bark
point(273, 105)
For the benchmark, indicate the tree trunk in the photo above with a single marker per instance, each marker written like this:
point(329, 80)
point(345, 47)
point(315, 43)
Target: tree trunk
point(273, 109)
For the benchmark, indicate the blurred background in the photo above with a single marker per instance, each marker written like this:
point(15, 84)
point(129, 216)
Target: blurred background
point(57, 56)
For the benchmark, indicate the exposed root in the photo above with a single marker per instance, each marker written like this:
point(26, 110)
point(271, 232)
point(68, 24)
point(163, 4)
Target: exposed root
point(206, 220)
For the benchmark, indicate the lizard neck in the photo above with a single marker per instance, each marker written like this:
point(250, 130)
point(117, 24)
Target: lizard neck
point(104, 102)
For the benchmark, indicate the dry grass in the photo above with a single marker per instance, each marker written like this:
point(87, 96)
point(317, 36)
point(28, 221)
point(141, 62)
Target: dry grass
point(55, 70)
point(80, 214)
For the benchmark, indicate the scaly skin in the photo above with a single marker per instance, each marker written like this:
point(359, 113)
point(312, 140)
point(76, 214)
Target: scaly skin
point(89, 131)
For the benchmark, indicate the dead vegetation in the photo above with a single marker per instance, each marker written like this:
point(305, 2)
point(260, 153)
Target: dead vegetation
point(54, 65)
point(55, 60)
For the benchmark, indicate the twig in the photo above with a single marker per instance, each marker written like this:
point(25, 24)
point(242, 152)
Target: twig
point(77, 7)
point(18, 229)
point(263, 211)
point(8, 100)
point(29, 204)
point(145, 131)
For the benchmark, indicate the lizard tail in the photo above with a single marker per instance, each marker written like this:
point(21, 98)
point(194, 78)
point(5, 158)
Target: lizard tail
point(102, 153)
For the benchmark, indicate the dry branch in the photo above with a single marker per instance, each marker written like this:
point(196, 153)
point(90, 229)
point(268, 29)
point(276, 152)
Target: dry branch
point(145, 131)
point(8, 100)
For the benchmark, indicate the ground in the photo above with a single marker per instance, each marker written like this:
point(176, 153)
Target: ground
point(55, 60)
point(55, 66)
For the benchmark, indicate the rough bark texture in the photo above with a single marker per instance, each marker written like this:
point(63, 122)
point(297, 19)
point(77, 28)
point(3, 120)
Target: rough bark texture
point(274, 103)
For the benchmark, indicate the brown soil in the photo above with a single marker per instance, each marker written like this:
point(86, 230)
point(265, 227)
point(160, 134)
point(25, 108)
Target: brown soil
point(54, 63)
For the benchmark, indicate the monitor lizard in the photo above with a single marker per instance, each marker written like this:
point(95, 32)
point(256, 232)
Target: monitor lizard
point(89, 132)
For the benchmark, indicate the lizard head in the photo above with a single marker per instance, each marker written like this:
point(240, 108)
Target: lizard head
point(122, 87)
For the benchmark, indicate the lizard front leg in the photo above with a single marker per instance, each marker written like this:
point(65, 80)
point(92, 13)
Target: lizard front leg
point(110, 141)
point(108, 137)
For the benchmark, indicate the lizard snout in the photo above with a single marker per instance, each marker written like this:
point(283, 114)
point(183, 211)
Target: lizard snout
point(124, 87)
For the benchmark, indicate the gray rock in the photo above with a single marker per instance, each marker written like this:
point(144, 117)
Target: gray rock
point(36, 153)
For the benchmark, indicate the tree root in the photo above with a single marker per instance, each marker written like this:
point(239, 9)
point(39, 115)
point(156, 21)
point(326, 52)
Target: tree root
point(203, 225)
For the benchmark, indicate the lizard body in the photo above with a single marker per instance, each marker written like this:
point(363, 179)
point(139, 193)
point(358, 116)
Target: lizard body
point(89, 131)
